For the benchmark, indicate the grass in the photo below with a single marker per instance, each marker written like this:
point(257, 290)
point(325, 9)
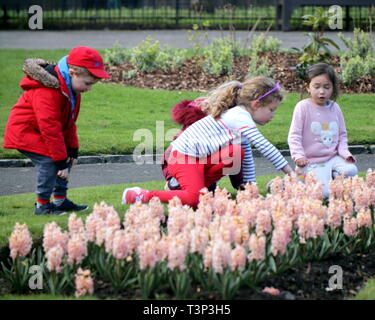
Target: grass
point(111, 114)
point(368, 293)
point(19, 208)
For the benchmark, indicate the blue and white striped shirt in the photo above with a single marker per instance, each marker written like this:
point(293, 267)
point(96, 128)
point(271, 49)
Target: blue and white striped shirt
point(235, 126)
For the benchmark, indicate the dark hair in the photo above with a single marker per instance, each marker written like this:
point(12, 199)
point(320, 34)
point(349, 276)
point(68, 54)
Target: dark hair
point(323, 68)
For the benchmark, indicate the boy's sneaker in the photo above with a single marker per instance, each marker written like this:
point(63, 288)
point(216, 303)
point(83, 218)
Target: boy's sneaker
point(68, 205)
point(131, 195)
point(48, 208)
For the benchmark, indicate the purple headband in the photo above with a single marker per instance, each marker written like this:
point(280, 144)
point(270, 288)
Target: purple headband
point(277, 87)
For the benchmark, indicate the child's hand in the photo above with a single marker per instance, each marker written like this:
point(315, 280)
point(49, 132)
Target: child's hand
point(301, 162)
point(287, 169)
point(351, 159)
point(63, 174)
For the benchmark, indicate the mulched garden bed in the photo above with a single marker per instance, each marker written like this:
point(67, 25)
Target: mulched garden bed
point(190, 76)
point(304, 282)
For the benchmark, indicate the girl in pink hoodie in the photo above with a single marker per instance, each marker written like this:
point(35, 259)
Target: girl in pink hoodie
point(317, 137)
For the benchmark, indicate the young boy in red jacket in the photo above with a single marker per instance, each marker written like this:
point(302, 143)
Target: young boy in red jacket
point(42, 125)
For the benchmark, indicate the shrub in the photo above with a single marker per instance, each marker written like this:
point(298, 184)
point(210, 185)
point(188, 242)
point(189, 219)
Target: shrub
point(360, 45)
point(369, 64)
point(351, 68)
point(117, 55)
point(219, 57)
point(259, 67)
point(148, 56)
point(261, 44)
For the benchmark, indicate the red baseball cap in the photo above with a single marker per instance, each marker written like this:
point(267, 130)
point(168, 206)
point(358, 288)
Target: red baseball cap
point(88, 58)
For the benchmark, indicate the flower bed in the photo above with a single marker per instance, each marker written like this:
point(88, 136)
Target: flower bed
point(224, 247)
point(190, 75)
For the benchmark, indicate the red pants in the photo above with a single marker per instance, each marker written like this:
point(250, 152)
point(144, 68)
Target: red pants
point(194, 174)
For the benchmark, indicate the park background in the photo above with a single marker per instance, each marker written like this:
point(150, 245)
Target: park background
point(111, 113)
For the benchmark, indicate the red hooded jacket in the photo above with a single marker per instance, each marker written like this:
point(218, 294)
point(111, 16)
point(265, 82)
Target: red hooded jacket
point(42, 122)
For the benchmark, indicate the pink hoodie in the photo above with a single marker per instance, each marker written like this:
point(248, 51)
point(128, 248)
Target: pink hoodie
point(317, 133)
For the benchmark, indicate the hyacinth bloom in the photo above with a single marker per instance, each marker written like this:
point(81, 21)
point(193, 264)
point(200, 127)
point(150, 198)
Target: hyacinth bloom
point(199, 238)
point(364, 218)
point(20, 241)
point(147, 252)
point(314, 207)
point(263, 222)
point(350, 226)
point(238, 258)
point(271, 290)
point(277, 186)
point(178, 217)
point(240, 230)
point(84, 283)
point(120, 245)
point(309, 226)
point(220, 202)
point(281, 236)
point(178, 248)
point(77, 248)
point(207, 256)
point(162, 247)
point(156, 209)
point(221, 255)
point(54, 258)
point(294, 208)
point(53, 236)
point(335, 212)
point(203, 215)
point(257, 245)
point(370, 178)
point(251, 192)
point(361, 197)
point(249, 210)
point(75, 225)
point(336, 188)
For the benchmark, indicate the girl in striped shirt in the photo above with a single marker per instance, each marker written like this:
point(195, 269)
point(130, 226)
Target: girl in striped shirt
point(213, 146)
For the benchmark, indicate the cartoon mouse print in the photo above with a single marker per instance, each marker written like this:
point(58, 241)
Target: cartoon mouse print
point(325, 131)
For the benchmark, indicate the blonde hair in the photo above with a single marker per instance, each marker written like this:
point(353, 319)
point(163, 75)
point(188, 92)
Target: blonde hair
point(235, 93)
point(81, 71)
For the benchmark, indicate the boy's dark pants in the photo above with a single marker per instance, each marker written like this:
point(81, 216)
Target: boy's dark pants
point(47, 179)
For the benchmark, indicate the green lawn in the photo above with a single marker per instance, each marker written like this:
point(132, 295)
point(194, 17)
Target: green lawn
point(111, 114)
point(368, 293)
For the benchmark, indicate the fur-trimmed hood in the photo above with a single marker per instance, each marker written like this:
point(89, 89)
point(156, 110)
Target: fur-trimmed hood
point(41, 71)
point(187, 112)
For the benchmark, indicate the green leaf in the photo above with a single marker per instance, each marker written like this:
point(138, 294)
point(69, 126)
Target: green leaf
point(272, 264)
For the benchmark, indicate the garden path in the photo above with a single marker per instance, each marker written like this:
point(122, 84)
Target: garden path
point(102, 39)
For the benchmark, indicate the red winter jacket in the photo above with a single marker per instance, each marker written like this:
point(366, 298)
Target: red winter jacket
point(41, 121)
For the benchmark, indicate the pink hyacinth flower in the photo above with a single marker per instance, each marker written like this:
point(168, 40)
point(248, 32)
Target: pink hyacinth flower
point(77, 248)
point(238, 258)
point(257, 245)
point(271, 290)
point(54, 258)
point(84, 283)
point(20, 241)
